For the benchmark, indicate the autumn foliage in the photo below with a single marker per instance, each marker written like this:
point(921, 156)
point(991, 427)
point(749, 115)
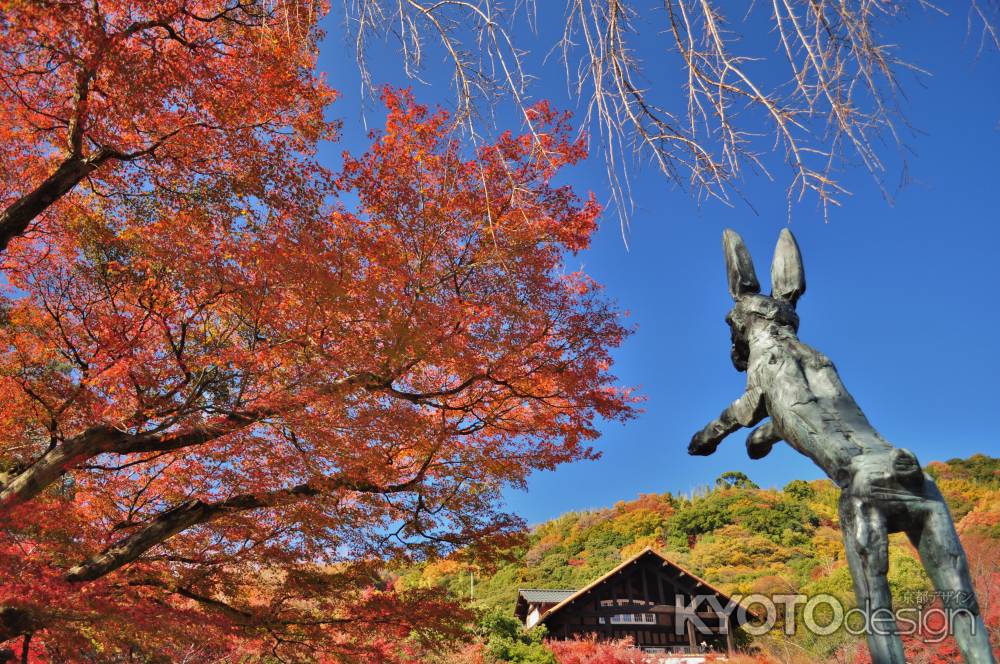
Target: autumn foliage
point(929, 646)
point(114, 109)
point(745, 540)
point(592, 651)
point(229, 398)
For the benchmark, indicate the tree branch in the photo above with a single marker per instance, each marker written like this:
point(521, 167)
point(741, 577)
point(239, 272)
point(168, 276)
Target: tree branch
point(104, 439)
point(14, 221)
point(196, 512)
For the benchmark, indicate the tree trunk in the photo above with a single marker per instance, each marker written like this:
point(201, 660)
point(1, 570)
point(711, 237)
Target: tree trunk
point(14, 622)
point(15, 219)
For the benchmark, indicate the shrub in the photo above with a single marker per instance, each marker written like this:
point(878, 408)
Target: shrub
point(591, 651)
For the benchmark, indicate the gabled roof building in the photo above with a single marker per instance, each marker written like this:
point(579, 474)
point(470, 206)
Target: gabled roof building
point(656, 603)
point(532, 603)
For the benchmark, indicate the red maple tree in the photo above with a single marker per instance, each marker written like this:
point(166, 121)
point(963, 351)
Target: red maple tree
point(218, 422)
point(113, 108)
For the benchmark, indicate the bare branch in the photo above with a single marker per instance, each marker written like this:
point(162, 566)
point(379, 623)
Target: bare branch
point(839, 100)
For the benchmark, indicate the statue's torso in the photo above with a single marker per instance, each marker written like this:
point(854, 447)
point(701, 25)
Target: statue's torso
point(808, 402)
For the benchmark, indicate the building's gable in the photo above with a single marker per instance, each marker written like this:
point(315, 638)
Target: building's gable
point(644, 599)
point(532, 603)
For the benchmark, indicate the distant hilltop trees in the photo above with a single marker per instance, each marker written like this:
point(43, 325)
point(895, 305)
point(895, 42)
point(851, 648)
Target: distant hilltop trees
point(744, 539)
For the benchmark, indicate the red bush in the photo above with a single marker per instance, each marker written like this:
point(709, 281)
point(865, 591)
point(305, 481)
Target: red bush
point(591, 651)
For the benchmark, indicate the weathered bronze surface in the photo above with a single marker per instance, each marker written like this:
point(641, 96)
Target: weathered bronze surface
point(883, 489)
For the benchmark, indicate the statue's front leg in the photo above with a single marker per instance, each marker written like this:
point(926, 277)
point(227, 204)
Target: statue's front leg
point(762, 439)
point(746, 411)
point(705, 441)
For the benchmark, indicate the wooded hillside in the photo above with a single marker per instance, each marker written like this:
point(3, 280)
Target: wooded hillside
point(744, 539)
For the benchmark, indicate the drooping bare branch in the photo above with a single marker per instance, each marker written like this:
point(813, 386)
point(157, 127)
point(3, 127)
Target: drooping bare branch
point(838, 100)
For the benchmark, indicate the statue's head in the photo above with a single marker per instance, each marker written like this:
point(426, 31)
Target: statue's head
point(788, 283)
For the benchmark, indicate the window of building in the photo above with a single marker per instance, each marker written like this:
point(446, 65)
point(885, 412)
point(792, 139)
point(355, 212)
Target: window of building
point(633, 619)
point(626, 602)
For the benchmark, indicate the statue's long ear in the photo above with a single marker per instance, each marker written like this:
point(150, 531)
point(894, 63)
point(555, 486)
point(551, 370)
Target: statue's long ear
point(788, 277)
point(739, 266)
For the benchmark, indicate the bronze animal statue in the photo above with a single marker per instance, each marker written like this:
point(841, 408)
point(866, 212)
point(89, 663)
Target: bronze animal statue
point(883, 489)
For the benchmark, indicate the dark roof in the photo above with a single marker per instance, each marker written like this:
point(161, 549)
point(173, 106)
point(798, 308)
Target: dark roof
point(544, 595)
point(648, 551)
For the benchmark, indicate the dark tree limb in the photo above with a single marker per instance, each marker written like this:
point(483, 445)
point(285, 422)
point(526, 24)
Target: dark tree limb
point(16, 489)
point(196, 512)
point(14, 622)
point(186, 515)
point(103, 439)
point(14, 221)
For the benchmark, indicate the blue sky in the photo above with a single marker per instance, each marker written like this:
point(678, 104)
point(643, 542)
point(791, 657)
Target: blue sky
point(902, 297)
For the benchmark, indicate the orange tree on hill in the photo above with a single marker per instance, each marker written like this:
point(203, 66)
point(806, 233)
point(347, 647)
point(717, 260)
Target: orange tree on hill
point(226, 398)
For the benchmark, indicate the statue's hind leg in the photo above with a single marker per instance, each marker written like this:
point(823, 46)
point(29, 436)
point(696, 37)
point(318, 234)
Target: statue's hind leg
point(867, 544)
point(943, 558)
